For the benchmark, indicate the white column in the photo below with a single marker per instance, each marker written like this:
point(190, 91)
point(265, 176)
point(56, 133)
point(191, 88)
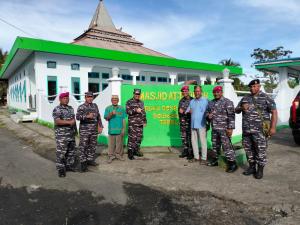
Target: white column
point(229, 92)
point(283, 77)
point(202, 79)
point(213, 80)
point(284, 97)
point(115, 82)
point(173, 77)
point(228, 89)
point(115, 72)
point(134, 74)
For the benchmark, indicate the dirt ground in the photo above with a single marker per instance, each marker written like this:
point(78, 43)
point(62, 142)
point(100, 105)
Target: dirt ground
point(207, 191)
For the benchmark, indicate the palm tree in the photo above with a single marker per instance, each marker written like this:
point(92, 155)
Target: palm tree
point(3, 56)
point(229, 62)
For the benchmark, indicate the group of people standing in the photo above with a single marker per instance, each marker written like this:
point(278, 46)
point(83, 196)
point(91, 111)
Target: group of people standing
point(89, 128)
point(197, 115)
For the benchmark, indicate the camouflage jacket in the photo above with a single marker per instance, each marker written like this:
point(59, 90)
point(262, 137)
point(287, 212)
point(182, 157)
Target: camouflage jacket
point(64, 113)
point(83, 111)
point(254, 116)
point(184, 104)
point(134, 117)
point(223, 115)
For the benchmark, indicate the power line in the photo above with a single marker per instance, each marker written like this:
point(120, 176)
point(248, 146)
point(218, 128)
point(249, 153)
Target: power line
point(4, 21)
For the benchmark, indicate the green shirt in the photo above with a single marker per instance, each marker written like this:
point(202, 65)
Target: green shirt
point(115, 123)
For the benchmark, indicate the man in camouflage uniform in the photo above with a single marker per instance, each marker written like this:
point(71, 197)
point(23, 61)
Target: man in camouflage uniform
point(89, 128)
point(185, 123)
point(222, 117)
point(256, 108)
point(136, 123)
point(65, 130)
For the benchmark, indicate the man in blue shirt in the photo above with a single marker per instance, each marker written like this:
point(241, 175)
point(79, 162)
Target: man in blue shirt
point(197, 108)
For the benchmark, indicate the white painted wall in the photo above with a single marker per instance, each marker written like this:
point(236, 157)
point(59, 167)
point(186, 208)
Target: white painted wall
point(19, 85)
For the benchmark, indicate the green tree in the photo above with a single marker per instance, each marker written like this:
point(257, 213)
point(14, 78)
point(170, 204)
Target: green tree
point(3, 83)
point(262, 55)
point(3, 56)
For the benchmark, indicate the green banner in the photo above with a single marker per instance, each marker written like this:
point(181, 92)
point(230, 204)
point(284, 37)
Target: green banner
point(161, 105)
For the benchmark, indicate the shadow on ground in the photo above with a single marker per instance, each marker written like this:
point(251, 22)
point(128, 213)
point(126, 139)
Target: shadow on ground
point(145, 206)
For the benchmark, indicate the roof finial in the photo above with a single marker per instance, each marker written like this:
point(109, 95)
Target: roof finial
point(102, 18)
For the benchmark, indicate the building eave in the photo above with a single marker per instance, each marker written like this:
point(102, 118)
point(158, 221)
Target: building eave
point(38, 45)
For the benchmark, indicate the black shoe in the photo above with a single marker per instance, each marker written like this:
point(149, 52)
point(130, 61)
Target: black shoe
point(138, 154)
point(131, 157)
point(83, 167)
point(92, 163)
point(189, 157)
point(184, 154)
point(231, 167)
point(250, 170)
point(130, 154)
point(61, 172)
point(214, 162)
point(71, 169)
point(260, 172)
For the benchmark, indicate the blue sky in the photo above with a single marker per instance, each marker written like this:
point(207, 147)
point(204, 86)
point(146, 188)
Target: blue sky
point(199, 30)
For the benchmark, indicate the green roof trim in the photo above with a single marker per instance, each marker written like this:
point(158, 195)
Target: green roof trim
point(272, 65)
point(39, 45)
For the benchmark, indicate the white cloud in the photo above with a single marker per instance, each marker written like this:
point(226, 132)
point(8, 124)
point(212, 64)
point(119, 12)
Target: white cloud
point(168, 31)
point(64, 20)
point(52, 20)
point(287, 10)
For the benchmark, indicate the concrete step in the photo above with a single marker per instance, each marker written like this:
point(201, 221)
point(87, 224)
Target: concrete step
point(20, 117)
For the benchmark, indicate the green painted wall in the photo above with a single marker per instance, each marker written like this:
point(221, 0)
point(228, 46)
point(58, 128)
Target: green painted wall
point(161, 105)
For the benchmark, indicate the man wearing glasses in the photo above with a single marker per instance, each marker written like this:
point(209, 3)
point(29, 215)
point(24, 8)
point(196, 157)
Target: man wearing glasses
point(136, 122)
point(197, 108)
point(185, 123)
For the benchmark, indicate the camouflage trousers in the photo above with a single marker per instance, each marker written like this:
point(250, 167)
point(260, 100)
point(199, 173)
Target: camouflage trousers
point(255, 145)
point(87, 143)
point(65, 151)
point(185, 132)
point(135, 135)
point(220, 139)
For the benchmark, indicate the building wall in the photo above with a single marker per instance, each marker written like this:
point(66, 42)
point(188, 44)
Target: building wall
point(64, 73)
point(21, 86)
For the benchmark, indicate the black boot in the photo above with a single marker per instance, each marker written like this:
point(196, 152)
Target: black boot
point(260, 172)
point(138, 153)
point(61, 172)
point(71, 168)
point(251, 169)
point(83, 167)
point(130, 154)
point(231, 167)
point(184, 153)
point(213, 162)
point(92, 163)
